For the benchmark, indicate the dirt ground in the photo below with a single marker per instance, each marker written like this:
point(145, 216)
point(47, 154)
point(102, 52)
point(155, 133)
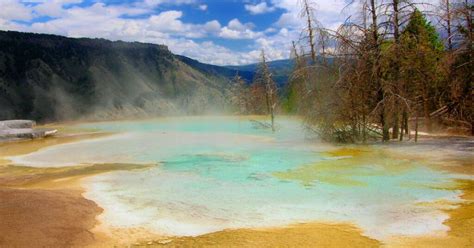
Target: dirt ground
point(46, 218)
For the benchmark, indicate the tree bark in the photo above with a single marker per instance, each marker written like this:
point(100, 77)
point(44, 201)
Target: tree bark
point(395, 128)
point(376, 76)
point(310, 30)
point(448, 25)
point(426, 110)
point(416, 127)
point(401, 131)
point(396, 35)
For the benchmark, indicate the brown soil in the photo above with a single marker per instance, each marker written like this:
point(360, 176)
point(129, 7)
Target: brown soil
point(303, 235)
point(44, 207)
point(46, 218)
point(37, 211)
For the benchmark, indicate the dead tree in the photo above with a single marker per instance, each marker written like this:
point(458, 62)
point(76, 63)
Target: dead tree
point(446, 21)
point(376, 70)
point(264, 77)
point(307, 12)
point(239, 94)
point(397, 15)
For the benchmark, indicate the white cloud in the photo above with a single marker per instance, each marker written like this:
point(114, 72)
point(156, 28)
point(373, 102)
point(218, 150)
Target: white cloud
point(167, 21)
point(8, 25)
point(260, 8)
point(14, 10)
point(203, 7)
point(212, 26)
point(230, 34)
point(236, 30)
point(176, 2)
point(328, 13)
point(52, 8)
point(289, 20)
point(270, 30)
point(235, 24)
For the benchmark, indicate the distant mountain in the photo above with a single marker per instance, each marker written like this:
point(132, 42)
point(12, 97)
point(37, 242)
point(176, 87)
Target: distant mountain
point(281, 70)
point(246, 73)
point(49, 77)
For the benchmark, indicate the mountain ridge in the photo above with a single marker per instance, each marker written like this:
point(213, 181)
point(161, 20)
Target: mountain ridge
point(280, 69)
point(50, 77)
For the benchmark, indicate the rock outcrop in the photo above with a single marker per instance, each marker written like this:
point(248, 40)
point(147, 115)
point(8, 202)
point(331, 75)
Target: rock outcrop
point(22, 129)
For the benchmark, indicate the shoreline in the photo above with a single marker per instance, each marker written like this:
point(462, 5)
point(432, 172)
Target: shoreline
point(48, 204)
point(61, 189)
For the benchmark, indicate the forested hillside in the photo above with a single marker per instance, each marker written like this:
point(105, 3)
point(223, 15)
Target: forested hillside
point(280, 69)
point(48, 77)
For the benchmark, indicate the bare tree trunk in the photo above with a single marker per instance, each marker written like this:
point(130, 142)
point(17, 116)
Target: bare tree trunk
point(448, 25)
point(364, 129)
point(273, 118)
point(308, 11)
point(416, 127)
point(401, 131)
point(426, 111)
point(404, 125)
point(269, 90)
point(395, 128)
point(396, 21)
point(375, 32)
point(375, 37)
point(385, 131)
point(470, 33)
point(405, 122)
point(396, 35)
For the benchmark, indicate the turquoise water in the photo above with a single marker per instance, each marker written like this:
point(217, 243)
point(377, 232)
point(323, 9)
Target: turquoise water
point(220, 172)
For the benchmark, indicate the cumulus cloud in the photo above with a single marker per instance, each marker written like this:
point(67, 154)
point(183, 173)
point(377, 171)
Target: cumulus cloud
point(203, 7)
point(14, 10)
point(260, 8)
point(329, 13)
point(52, 8)
point(235, 24)
point(176, 2)
point(212, 26)
point(289, 20)
point(236, 30)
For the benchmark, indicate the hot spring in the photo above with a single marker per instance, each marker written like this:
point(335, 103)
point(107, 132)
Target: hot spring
point(214, 173)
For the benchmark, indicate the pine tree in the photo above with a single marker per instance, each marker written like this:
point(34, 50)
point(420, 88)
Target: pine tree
point(421, 49)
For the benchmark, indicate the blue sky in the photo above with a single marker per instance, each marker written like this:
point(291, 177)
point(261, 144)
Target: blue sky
point(220, 32)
